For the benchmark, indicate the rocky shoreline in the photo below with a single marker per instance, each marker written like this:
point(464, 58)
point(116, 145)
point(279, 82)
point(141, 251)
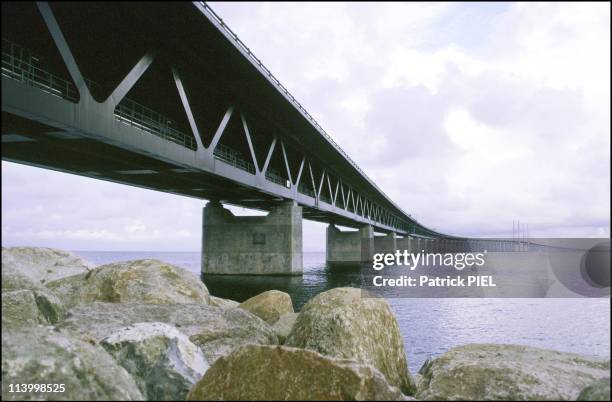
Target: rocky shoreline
point(147, 330)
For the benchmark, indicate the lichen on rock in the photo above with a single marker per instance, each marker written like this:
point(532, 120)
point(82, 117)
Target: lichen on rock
point(256, 372)
point(598, 390)
point(137, 281)
point(508, 372)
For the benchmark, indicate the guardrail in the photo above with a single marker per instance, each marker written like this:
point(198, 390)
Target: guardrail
point(144, 118)
point(306, 191)
point(21, 65)
point(232, 157)
point(275, 177)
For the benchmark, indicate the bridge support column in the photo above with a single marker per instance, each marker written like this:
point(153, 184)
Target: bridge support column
point(405, 243)
point(385, 244)
point(350, 247)
point(252, 245)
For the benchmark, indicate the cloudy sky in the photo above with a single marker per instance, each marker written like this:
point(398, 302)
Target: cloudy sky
point(467, 115)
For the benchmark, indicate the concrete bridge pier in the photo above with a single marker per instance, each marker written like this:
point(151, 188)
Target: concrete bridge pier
point(385, 244)
point(349, 248)
point(405, 243)
point(417, 245)
point(252, 245)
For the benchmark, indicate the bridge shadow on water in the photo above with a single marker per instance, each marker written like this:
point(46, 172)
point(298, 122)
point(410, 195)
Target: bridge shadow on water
point(316, 279)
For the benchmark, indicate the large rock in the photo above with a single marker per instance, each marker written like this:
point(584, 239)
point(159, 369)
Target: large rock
point(282, 328)
point(45, 264)
point(342, 323)
point(597, 391)
point(273, 373)
point(40, 355)
point(139, 281)
point(508, 372)
point(162, 360)
point(269, 306)
point(215, 330)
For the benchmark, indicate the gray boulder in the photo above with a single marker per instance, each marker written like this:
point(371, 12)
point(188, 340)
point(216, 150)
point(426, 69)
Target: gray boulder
point(282, 328)
point(215, 330)
point(256, 372)
point(45, 264)
point(41, 355)
point(162, 360)
point(344, 323)
point(508, 372)
point(599, 390)
point(269, 305)
point(139, 281)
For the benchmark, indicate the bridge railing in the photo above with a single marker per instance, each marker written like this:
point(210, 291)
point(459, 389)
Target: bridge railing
point(21, 65)
point(144, 118)
point(302, 188)
point(233, 157)
point(275, 177)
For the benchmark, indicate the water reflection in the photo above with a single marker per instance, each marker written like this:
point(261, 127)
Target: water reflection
point(315, 280)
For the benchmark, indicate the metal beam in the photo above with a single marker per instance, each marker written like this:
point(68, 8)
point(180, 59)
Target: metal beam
point(299, 176)
point(321, 183)
point(64, 49)
point(245, 128)
point(269, 157)
point(289, 175)
point(132, 78)
point(221, 129)
point(188, 112)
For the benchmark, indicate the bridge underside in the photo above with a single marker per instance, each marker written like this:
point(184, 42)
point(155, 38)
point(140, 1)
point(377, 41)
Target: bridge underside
point(36, 144)
point(164, 96)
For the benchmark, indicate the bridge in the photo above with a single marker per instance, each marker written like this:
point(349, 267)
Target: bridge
point(165, 96)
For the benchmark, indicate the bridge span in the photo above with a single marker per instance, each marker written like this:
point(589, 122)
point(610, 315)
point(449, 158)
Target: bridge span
point(165, 96)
